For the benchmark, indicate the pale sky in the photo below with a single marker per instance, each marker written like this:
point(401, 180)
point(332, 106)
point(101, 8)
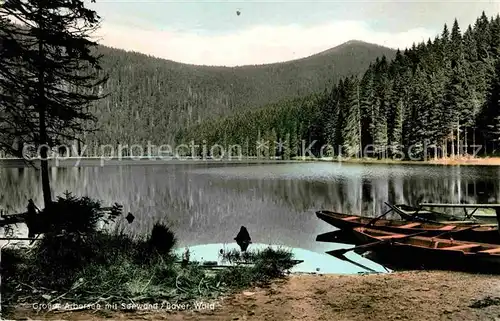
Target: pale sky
point(211, 32)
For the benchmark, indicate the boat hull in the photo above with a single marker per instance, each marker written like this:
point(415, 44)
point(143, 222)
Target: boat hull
point(412, 213)
point(402, 255)
point(481, 234)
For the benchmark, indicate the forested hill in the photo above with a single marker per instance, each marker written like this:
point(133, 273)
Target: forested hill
point(152, 98)
point(444, 92)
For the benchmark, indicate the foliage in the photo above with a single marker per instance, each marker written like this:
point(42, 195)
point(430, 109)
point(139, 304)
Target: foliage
point(48, 76)
point(265, 265)
point(71, 237)
point(161, 240)
point(436, 99)
point(152, 99)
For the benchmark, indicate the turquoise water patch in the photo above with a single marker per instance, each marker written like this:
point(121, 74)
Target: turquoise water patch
point(313, 262)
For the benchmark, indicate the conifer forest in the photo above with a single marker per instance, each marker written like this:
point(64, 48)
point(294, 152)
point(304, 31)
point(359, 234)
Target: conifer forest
point(439, 98)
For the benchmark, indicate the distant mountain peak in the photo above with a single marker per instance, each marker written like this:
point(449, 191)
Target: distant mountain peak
point(349, 43)
point(355, 41)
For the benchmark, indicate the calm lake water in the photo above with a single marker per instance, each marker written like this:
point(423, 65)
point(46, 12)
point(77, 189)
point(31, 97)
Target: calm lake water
point(207, 203)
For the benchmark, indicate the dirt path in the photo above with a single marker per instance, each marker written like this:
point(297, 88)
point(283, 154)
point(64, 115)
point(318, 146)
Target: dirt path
point(398, 296)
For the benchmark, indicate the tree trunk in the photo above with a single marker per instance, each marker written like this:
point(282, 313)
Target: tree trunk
point(497, 210)
point(44, 164)
point(458, 140)
point(452, 143)
point(466, 142)
point(474, 138)
point(360, 144)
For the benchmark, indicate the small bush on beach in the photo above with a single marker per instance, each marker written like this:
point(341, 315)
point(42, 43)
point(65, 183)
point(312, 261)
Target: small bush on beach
point(265, 265)
point(161, 240)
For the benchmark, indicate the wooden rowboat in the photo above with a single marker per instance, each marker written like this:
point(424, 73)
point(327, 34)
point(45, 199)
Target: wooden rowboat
point(12, 219)
point(481, 233)
point(400, 251)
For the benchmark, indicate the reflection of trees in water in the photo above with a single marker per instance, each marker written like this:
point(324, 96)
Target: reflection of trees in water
point(17, 186)
point(209, 208)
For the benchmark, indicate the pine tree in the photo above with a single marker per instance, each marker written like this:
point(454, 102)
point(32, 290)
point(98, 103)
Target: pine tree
point(57, 73)
point(351, 126)
point(455, 103)
point(287, 147)
point(273, 138)
point(367, 103)
point(492, 115)
point(294, 142)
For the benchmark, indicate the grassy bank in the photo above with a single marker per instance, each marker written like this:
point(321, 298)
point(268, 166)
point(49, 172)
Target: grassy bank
point(77, 264)
point(94, 161)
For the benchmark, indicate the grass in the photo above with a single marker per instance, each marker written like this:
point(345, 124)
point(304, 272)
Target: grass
point(77, 263)
point(259, 266)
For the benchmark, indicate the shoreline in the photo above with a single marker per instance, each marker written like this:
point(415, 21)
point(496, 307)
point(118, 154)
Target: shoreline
point(479, 161)
point(413, 295)
point(105, 161)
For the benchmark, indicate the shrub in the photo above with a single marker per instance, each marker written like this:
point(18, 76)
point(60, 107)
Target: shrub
point(162, 239)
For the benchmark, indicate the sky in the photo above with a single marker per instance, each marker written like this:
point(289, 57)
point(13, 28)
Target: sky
point(212, 33)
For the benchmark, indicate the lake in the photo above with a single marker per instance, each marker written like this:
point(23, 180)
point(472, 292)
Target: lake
point(207, 203)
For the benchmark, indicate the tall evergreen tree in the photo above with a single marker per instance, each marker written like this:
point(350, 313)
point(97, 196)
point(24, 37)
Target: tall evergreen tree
point(456, 44)
point(351, 127)
point(396, 137)
point(56, 73)
point(455, 104)
point(286, 147)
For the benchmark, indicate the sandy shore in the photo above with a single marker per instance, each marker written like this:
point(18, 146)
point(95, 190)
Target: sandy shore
point(396, 296)
point(491, 161)
point(495, 161)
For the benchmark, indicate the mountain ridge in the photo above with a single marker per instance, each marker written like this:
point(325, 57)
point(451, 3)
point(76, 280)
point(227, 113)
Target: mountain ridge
point(156, 97)
point(326, 51)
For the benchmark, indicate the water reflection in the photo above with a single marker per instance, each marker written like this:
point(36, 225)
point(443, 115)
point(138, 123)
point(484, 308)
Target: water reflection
point(208, 203)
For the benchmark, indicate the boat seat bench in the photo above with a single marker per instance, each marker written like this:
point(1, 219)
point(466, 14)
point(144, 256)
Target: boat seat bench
point(410, 225)
point(395, 236)
point(462, 247)
point(351, 218)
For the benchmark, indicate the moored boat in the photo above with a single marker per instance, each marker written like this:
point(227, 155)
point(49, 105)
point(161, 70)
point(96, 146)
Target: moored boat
point(487, 218)
point(464, 230)
point(402, 251)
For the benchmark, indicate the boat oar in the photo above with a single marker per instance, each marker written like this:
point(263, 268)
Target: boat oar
point(457, 231)
point(410, 217)
point(378, 217)
point(344, 235)
point(338, 252)
point(370, 245)
point(338, 236)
